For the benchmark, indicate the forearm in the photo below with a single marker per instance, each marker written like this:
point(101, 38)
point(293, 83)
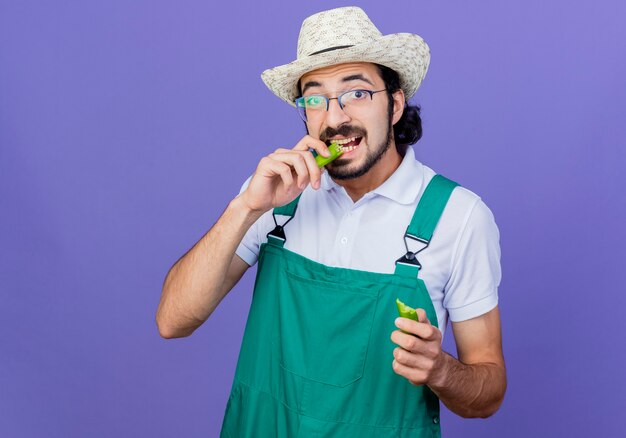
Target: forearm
point(470, 390)
point(194, 285)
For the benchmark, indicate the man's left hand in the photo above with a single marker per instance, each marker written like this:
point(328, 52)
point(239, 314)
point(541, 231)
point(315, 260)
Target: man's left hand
point(419, 357)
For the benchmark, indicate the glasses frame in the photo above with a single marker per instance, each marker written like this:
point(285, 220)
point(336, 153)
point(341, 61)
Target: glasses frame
point(299, 100)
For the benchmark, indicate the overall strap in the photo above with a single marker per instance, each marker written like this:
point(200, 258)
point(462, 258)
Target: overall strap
point(277, 235)
point(425, 219)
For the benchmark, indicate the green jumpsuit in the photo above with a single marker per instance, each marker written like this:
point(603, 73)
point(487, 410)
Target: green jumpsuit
point(316, 356)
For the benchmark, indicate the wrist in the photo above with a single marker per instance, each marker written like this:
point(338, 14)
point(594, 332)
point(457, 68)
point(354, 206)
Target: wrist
point(242, 208)
point(440, 379)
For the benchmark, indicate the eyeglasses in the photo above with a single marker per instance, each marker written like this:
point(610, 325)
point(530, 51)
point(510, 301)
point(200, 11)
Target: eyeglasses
point(315, 106)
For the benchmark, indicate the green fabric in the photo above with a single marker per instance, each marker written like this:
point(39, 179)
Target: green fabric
point(426, 217)
point(288, 209)
point(430, 207)
point(403, 270)
point(316, 356)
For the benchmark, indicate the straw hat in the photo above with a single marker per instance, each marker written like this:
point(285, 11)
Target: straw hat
point(345, 35)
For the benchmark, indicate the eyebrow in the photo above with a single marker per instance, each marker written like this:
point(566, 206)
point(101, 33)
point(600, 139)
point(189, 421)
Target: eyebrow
point(355, 77)
point(310, 84)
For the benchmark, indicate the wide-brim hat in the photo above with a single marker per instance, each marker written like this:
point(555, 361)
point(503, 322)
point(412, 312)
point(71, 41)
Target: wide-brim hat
point(344, 35)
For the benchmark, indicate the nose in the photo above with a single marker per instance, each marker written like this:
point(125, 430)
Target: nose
point(335, 116)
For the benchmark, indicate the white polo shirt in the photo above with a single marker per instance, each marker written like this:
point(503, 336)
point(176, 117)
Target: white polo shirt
point(460, 267)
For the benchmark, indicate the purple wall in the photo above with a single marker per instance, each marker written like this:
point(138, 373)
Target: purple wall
point(126, 127)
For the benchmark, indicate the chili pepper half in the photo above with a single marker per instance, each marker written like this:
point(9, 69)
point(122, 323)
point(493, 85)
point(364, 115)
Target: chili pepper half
point(335, 152)
point(406, 312)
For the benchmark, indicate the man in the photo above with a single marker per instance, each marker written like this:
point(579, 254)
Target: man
point(337, 246)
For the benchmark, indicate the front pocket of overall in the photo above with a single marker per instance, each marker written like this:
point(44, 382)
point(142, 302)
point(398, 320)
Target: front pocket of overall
point(325, 329)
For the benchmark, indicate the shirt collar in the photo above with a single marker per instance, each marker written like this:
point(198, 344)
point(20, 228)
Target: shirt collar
point(402, 186)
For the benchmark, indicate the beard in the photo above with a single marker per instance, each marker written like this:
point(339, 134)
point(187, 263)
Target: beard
point(340, 170)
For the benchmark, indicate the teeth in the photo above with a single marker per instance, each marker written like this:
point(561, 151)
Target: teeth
point(344, 140)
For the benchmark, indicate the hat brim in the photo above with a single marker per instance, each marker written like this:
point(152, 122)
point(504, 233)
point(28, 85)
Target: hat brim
point(406, 53)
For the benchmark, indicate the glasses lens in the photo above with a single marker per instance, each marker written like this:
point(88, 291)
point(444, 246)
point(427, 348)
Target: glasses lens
point(315, 102)
point(301, 108)
point(312, 107)
point(355, 98)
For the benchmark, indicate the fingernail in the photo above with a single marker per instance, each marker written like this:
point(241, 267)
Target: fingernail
point(398, 322)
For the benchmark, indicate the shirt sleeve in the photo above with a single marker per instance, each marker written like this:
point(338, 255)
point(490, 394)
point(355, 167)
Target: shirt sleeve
point(248, 248)
point(472, 289)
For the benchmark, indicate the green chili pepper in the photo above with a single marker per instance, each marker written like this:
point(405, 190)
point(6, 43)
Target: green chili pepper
point(335, 152)
point(406, 311)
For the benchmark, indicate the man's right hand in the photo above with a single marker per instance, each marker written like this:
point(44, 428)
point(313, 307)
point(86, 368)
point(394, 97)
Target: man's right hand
point(281, 176)
point(197, 282)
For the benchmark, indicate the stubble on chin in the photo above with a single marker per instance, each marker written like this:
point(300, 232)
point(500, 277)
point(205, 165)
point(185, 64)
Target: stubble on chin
point(339, 169)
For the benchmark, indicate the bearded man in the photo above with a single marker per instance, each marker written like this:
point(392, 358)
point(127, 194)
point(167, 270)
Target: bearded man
point(324, 352)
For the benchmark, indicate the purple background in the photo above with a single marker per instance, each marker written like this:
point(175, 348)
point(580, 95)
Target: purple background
point(126, 127)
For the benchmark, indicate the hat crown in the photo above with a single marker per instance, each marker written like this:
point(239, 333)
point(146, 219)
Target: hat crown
point(340, 27)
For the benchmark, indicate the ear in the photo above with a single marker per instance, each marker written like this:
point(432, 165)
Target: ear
point(398, 106)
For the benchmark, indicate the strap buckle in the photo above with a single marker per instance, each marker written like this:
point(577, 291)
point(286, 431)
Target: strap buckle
point(279, 231)
point(417, 239)
point(410, 258)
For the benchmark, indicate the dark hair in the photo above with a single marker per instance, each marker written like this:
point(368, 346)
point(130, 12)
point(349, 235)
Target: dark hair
point(408, 130)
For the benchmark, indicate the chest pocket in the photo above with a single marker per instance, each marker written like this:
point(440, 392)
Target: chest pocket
point(325, 329)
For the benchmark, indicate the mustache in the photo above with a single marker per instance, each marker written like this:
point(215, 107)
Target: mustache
point(343, 131)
